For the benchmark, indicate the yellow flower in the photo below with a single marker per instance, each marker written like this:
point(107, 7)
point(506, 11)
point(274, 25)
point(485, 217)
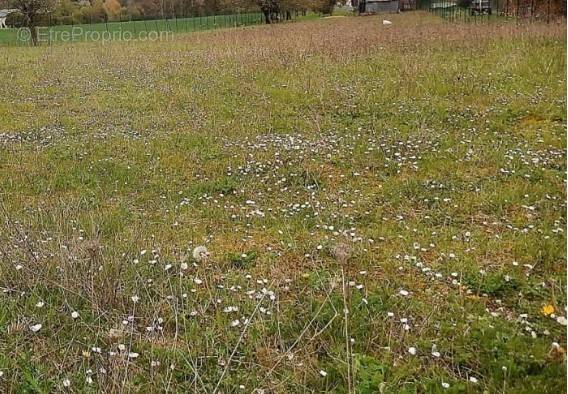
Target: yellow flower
point(547, 310)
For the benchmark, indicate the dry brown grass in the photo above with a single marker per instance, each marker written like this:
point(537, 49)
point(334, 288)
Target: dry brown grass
point(141, 145)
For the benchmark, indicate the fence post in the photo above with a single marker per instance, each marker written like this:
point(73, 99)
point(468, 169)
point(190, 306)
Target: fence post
point(49, 29)
point(548, 12)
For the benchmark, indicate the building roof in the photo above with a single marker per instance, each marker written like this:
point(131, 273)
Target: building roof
point(6, 12)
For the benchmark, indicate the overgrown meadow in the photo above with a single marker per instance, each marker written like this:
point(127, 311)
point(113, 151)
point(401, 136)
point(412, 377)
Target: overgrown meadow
point(323, 206)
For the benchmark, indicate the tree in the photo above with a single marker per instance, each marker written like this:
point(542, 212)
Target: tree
point(113, 9)
point(32, 11)
point(327, 6)
point(149, 7)
point(66, 12)
point(269, 8)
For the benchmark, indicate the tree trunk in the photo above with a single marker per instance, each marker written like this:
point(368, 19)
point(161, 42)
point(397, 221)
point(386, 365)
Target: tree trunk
point(33, 34)
point(266, 13)
point(329, 5)
point(29, 22)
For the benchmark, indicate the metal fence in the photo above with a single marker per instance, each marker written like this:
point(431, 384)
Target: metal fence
point(52, 30)
point(487, 10)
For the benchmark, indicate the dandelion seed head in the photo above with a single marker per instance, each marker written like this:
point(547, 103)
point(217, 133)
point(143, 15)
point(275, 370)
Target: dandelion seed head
point(200, 253)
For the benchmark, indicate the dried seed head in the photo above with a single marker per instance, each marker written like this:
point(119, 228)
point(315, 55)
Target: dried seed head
point(93, 248)
point(341, 252)
point(200, 253)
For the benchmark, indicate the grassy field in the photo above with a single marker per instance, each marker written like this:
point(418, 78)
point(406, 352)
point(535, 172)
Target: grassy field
point(383, 209)
point(128, 30)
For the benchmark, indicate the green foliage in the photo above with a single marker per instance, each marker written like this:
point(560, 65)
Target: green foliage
point(242, 260)
point(371, 375)
point(389, 189)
